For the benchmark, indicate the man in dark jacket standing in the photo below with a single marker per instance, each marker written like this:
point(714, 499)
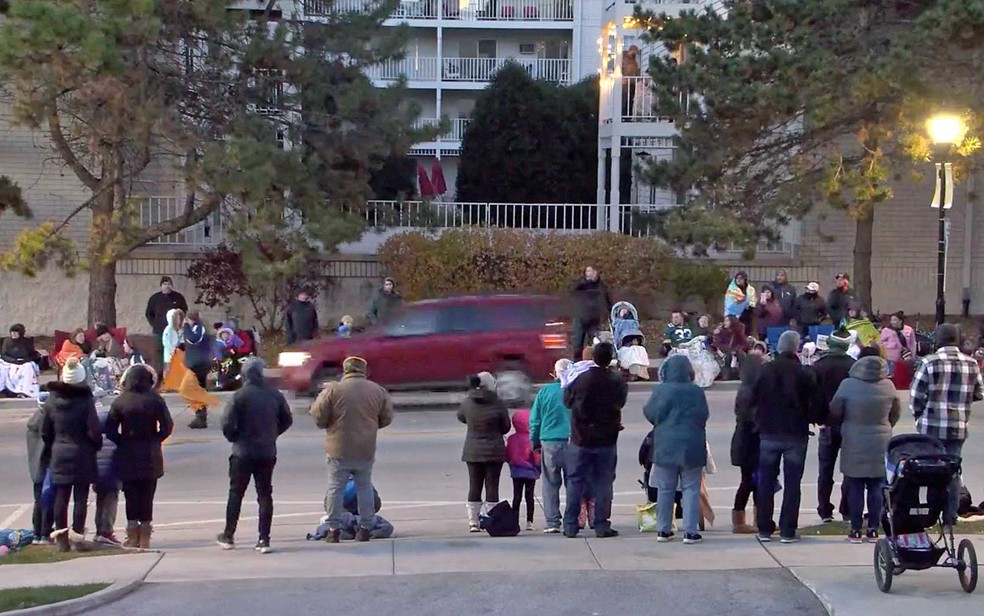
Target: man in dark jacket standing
point(302, 319)
point(809, 309)
point(785, 294)
point(157, 308)
point(385, 301)
point(595, 398)
point(592, 305)
point(253, 420)
point(785, 399)
point(840, 299)
point(831, 369)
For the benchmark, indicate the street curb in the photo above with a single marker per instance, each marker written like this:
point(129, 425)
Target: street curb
point(821, 596)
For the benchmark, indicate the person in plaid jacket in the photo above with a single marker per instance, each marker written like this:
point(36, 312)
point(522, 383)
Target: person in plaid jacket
point(945, 385)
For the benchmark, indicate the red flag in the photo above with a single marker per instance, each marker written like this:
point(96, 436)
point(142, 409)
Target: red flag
point(437, 178)
point(425, 186)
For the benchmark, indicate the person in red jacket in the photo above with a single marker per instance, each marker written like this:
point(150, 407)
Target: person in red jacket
point(524, 464)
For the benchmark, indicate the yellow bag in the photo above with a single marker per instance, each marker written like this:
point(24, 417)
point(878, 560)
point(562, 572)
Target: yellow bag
point(646, 516)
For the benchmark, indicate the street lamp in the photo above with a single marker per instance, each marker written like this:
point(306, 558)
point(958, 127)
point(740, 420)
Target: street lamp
point(945, 131)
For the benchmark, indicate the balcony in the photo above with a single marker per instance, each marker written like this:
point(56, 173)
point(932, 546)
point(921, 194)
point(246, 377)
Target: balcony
point(450, 140)
point(206, 234)
point(468, 70)
point(457, 12)
point(638, 102)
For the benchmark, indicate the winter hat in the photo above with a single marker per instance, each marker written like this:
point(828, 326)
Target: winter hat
point(347, 320)
point(872, 350)
point(19, 329)
point(354, 365)
point(789, 342)
point(166, 279)
point(101, 329)
point(561, 366)
point(486, 381)
point(839, 341)
point(813, 287)
point(73, 373)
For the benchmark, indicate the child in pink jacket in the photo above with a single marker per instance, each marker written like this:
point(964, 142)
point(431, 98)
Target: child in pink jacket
point(524, 464)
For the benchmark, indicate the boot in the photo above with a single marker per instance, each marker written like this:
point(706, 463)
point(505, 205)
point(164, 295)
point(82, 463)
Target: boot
point(132, 535)
point(146, 529)
point(200, 422)
point(739, 525)
point(60, 537)
point(473, 511)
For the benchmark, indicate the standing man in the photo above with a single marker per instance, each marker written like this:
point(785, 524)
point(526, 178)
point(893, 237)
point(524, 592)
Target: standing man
point(253, 420)
point(809, 309)
point(352, 411)
point(592, 305)
point(158, 306)
point(550, 429)
point(595, 398)
point(943, 389)
point(785, 398)
point(785, 294)
point(385, 301)
point(833, 367)
point(302, 319)
point(840, 299)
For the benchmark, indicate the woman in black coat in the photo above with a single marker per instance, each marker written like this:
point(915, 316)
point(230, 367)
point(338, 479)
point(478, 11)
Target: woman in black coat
point(72, 436)
point(745, 441)
point(138, 423)
point(485, 450)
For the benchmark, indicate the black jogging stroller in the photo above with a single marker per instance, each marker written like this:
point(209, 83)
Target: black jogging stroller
point(919, 472)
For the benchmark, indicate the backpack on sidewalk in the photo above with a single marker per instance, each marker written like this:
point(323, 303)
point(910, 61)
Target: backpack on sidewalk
point(500, 521)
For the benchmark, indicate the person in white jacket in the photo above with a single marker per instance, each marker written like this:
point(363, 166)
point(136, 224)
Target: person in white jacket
point(172, 335)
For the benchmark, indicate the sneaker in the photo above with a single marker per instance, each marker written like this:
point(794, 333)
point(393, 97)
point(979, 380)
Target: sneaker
point(662, 537)
point(474, 528)
point(764, 538)
point(827, 519)
point(551, 530)
point(871, 535)
point(263, 546)
point(854, 537)
point(44, 541)
point(226, 543)
point(793, 539)
point(108, 539)
point(36, 541)
point(689, 539)
point(607, 533)
point(530, 527)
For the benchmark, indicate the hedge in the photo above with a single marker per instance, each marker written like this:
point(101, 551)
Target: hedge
point(465, 261)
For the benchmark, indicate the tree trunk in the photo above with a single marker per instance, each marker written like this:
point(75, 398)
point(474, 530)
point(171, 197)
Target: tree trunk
point(102, 293)
point(863, 239)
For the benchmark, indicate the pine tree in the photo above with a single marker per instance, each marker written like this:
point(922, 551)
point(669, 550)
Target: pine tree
point(782, 104)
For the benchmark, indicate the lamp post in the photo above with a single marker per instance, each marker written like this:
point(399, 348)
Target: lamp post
point(945, 131)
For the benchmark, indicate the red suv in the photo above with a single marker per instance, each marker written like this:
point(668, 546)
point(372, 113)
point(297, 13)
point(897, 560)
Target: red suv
point(436, 344)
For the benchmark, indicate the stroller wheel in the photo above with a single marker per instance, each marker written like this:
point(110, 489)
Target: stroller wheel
point(967, 556)
point(884, 565)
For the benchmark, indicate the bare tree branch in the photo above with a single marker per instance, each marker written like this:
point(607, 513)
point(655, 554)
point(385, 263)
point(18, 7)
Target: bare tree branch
point(66, 153)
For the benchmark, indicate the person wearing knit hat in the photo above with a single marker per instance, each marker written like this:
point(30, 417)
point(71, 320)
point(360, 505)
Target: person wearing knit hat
point(352, 411)
point(73, 373)
point(385, 301)
point(831, 370)
point(809, 309)
point(840, 299)
point(20, 364)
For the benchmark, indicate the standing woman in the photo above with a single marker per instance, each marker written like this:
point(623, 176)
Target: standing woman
point(138, 423)
point(745, 441)
point(485, 450)
point(898, 341)
point(678, 411)
point(72, 436)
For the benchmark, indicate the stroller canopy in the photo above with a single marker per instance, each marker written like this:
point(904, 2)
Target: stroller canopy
point(625, 327)
point(617, 308)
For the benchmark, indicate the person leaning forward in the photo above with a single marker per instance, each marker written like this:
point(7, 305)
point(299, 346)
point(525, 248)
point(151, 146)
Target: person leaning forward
point(352, 411)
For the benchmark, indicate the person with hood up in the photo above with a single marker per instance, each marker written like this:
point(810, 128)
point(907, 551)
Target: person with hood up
point(740, 299)
point(596, 399)
point(385, 301)
point(769, 313)
point(37, 464)
point(253, 420)
point(678, 411)
point(19, 369)
point(301, 323)
point(840, 299)
point(745, 440)
point(550, 429)
point(867, 408)
point(833, 367)
point(485, 451)
point(785, 294)
point(172, 341)
point(352, 412)
point(524, 464)
point(158, 307)
point(899, 342)
point(809, 309)
point(139, 422)
point(592, 305)
point(785, 400)
point(198, 361)
point(72, 436)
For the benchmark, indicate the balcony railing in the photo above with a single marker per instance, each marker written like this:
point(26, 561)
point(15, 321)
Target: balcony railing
point(154, 210)
point(470, 10)
point(414, 69)
point(638, 102)
point(474, 70)
point(455, 133)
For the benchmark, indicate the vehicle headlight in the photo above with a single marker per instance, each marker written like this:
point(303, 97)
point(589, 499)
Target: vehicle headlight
point(293, 359)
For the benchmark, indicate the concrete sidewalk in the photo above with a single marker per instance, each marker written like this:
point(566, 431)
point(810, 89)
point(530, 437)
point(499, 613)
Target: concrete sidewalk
point(839, 574)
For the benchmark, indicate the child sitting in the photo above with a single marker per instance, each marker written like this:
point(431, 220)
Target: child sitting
point(524, 464)
point(346, 327)
point(629, 339)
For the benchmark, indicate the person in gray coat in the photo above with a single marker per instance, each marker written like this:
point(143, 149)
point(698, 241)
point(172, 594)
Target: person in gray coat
point(867, 408)
point(37, 464)
point(485, 450)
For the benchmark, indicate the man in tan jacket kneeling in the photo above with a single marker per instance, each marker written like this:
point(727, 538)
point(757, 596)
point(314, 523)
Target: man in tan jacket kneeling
point(352, 411)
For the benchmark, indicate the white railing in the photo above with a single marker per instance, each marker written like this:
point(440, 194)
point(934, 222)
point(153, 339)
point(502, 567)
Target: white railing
point(155, 210)
point(414, 69)
point(484, 69)
point(467, 10)
point(458, 126)
point(638, 102)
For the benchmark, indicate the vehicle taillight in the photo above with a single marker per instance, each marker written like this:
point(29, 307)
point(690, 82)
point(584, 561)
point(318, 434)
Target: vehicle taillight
point(553, 341)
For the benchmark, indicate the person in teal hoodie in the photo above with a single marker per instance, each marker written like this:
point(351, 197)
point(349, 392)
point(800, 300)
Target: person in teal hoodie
point(678, 411)
point(550, 429)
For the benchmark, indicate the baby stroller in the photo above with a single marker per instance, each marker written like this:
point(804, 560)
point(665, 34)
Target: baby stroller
point(919, 474)
point(629, 341)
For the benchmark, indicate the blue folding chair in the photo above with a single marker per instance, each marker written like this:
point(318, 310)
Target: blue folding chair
point(820, 330)
point(772, 336)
